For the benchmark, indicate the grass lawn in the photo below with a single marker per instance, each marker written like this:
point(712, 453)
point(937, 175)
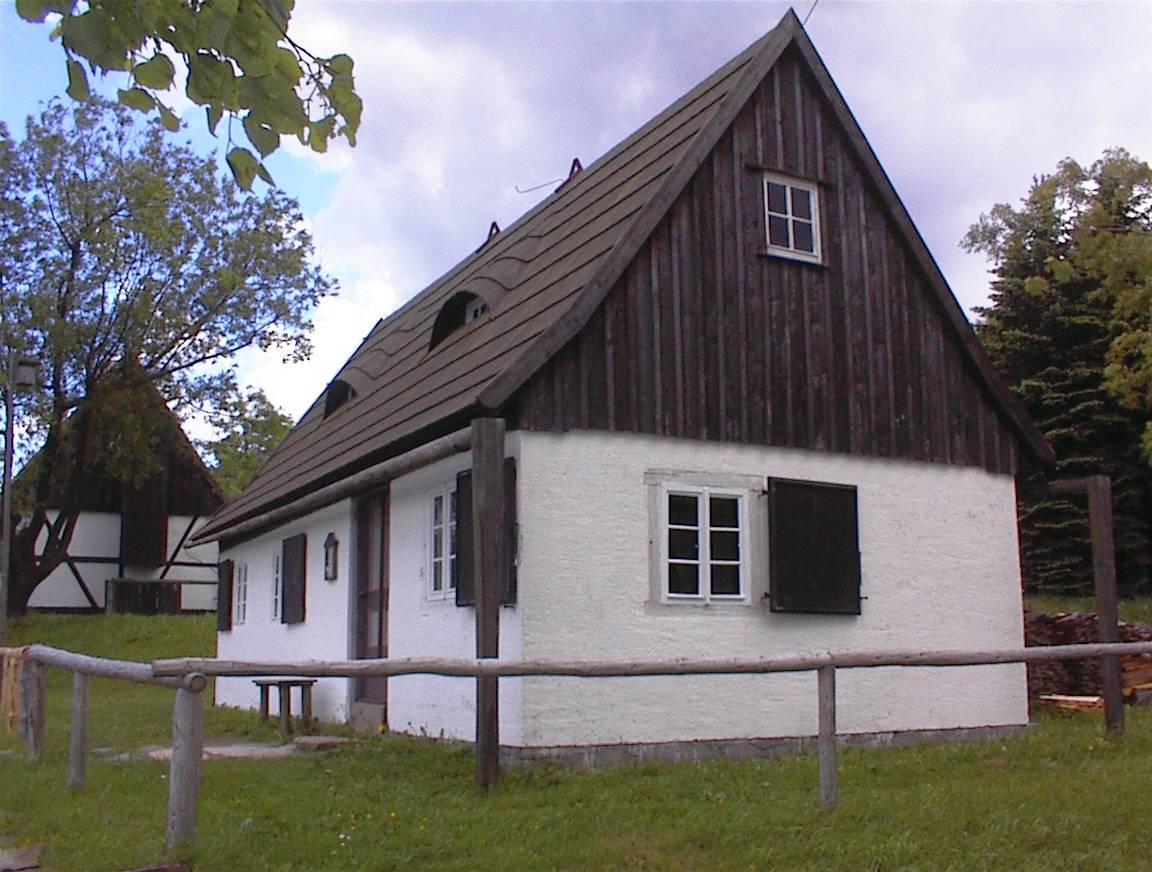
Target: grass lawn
point(1061, 797)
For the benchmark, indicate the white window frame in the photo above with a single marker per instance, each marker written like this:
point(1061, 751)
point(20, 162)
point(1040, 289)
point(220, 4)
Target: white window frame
point(790, 251)
point(475, 310)
point(277, 587)
point(753, 539)
point(703, 493)
point(444, 530)
point(240, 596)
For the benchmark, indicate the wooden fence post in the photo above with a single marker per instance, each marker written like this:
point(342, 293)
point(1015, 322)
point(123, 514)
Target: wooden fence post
point(826, 740)
point(1107, 611)
point(1099, 490)
point(184, 768)
point(32, 707)
point(488, 539)
point(78, 732)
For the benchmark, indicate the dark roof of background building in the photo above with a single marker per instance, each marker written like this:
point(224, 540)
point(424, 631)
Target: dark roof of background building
point(187, 484)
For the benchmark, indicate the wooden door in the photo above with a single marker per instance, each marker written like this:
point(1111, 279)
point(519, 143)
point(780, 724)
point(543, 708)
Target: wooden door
point(372, 591)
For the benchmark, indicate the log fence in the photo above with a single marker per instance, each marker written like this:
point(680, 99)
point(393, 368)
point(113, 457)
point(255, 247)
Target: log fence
point(188, 677)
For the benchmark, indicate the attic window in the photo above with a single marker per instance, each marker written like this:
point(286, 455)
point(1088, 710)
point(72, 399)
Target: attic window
point(339, 393)
point(463, 308)
point(475, 309)
point(792, 216)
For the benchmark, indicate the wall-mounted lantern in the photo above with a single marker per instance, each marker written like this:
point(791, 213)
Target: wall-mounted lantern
point(331, 548)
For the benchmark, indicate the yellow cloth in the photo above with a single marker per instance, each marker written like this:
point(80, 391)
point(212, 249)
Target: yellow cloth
point(12, 660)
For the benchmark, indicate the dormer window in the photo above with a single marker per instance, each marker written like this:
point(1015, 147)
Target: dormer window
point(339, 393)
point(463, 308)
point(475, 309)
point(792, 212)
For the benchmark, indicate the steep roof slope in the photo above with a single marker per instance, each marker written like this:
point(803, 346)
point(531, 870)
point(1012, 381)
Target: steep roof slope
point(530, 273)
point(542, 279)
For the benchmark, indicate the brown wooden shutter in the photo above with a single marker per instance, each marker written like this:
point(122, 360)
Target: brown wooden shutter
point(465, 582)
point(511, 533)
point(293, 577)
point(224, 595)
point(813, 546)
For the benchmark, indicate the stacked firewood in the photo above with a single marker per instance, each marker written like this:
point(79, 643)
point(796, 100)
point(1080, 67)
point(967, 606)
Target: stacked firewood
point(1081, 678)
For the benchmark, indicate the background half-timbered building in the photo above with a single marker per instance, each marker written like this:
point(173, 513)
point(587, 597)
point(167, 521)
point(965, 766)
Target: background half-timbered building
point(739, 413)
point(133, 539)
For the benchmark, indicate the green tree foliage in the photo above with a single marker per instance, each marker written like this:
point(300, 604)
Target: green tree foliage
point(239, 59)
point(1069, 326)
point(252, 426)
point(124, 260)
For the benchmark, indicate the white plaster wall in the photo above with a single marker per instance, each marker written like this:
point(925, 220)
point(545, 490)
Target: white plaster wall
point(194, 596)
point(97, 534)
point(201, 597)
point(940, 570)
point(422, 627)
point(324, 633)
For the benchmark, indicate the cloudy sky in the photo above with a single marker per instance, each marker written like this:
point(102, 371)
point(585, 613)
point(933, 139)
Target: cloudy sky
point(467, 102)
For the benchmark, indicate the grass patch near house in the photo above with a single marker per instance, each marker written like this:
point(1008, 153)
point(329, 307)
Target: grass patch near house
point(1134, 610)
point(1060, 797)
point(123, 715)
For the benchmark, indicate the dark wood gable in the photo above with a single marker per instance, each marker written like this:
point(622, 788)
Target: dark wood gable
point(706, 337)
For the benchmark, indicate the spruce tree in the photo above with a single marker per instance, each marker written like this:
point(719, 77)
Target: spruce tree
point(1050, 328)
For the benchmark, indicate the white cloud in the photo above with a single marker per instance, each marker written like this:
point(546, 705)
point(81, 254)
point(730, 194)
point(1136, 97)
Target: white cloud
point(338, 327)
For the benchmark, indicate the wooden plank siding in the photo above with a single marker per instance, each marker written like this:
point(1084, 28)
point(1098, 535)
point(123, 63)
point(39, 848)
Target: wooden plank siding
point(706, 337)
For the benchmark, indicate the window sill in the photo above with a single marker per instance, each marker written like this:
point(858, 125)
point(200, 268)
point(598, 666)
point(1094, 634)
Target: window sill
point(776, 255)
point(719, 608)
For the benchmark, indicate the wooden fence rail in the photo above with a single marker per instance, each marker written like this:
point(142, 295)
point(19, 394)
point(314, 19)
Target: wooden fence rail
point(625, 668)
point(188, 676)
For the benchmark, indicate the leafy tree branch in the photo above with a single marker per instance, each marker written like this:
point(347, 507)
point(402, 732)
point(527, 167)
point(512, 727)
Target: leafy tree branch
point(240, 62)
point(127, 264)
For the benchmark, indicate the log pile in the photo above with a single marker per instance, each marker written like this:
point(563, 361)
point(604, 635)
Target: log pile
point(1081, 678)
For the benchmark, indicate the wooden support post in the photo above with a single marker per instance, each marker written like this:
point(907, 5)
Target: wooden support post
point(1107, 610)
point(285, 709)
point(306, 706)
point(826, 740)
point(184, 768)
point(78, 732)
point(488, 541)
point(32, 708)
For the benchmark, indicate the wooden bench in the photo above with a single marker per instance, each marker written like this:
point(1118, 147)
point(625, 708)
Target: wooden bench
point(285, 685)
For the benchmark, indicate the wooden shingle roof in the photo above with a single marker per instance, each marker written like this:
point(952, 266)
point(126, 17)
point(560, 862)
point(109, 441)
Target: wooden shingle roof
point(542, 279)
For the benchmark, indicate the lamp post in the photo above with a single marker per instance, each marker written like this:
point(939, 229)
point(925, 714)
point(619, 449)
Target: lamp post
point(21, 374)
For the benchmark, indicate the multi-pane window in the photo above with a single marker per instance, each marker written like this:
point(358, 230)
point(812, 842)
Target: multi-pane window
point(475, 309)
point(793, 215)
point(703, 538)
point(276, 587)
point(240, 595)
point(443, 571)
